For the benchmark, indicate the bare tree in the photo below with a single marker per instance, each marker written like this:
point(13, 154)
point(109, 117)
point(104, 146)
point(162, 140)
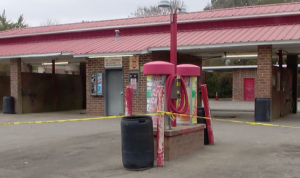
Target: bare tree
point(49, 22)
point(219, 4)
point(153, 10)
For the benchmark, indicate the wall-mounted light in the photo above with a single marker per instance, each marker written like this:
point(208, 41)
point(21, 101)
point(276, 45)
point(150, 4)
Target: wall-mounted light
point(56, 63)
point(242, 56)
point(92, 57)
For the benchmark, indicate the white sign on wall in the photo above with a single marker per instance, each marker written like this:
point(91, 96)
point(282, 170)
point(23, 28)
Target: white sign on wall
point(113, 62)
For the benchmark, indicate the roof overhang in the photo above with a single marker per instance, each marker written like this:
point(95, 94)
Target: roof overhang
point(230, 68)
point(102, 55)
point(227, 45)
point(35, 55)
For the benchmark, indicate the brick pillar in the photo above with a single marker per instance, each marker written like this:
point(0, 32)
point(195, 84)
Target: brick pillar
point(263, 92)
point(94, 105)
point(16, 83)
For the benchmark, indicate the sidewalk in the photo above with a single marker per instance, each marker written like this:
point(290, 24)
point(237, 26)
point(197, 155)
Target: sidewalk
point(238, 106)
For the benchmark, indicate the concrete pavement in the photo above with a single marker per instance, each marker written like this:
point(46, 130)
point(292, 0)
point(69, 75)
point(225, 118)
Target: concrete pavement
point(225, 105)
point(93, 150)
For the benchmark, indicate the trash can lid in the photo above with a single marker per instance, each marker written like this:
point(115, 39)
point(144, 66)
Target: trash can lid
point(188, 70)
point(158, 68)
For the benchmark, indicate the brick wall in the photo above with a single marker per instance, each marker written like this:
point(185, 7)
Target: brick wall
point(15, 84)
point(96, 105)
point(185, 143)
point(139, 100)
point(238, 82)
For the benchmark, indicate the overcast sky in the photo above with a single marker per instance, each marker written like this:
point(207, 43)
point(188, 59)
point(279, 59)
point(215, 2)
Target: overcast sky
point(70, 11)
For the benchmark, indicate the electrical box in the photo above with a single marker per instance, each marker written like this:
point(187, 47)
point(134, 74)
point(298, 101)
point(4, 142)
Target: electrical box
point(175, 91)
point(96, 84)
point(134, 82)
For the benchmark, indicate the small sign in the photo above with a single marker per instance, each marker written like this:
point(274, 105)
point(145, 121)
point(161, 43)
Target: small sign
point(113, 62)
point(134, 62)
point(141, 68)
point(134, 82)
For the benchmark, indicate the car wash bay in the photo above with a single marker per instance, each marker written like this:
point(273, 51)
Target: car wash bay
point(43, 92)
point(246, 81)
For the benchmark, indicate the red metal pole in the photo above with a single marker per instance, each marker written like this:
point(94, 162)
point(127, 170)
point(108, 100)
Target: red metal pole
point(207, 114)
point(128, 102)
point(173, 49)
point(160, 127)
point(54, 84)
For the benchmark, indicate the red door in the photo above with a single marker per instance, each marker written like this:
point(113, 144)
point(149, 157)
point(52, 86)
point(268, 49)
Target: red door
point(249, 89)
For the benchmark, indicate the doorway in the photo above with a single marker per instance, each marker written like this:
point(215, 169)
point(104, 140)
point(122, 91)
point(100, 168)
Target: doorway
point(249, 89)
point(114, 102)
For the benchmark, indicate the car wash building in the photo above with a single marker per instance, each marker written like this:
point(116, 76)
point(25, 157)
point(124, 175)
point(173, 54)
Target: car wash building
point(108, 62)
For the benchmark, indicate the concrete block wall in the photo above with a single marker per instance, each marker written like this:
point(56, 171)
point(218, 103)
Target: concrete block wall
point(238, 82)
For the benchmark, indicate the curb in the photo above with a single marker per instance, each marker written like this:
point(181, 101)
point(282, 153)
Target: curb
point(228, 110)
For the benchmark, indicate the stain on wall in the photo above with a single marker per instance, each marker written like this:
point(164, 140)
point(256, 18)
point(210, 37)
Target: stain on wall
point(37, 92)
point(4, 89)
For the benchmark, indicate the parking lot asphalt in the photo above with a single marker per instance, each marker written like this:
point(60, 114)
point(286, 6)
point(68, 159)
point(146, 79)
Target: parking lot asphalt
point(92, 149)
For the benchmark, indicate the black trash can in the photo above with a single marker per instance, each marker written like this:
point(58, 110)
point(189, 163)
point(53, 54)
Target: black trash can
point(201, 113)
point(262, 110)
point(8, 105)
point(137, 142)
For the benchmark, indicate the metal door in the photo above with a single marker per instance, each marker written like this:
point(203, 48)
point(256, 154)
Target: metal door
point(114, 89)
point(249, 89)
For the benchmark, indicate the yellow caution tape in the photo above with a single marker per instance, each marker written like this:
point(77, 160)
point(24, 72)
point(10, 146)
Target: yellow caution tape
point(232, 121)
point(154, 114)
point(61, 121)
